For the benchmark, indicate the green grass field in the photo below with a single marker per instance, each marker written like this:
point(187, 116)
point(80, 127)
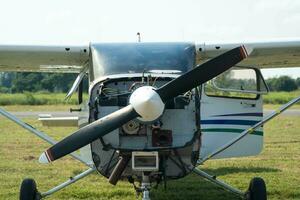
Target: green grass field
point(278, 164)
point(28, 98)
point(280, 97)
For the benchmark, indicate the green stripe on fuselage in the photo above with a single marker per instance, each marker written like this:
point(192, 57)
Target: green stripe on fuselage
point(230, 130)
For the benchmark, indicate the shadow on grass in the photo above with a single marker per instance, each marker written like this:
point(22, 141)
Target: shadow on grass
point(285, 195)
point(191, 187)
point(195, 187)
point(232, 170)
point(283, 142)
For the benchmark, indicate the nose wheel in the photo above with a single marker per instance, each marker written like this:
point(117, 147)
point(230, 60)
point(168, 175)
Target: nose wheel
point(145, 187)
point(28, 190)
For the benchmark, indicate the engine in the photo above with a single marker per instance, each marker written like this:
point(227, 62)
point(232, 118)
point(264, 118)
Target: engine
point(165, 148)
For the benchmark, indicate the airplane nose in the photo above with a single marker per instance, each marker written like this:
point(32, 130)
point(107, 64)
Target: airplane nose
point(147, 103)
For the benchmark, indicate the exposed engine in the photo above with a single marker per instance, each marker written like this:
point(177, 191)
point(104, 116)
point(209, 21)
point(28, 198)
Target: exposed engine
point(174, 146)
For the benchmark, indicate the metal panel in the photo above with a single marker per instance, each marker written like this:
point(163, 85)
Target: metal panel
point(65, 59)
point(222, 119)
point(265, 54)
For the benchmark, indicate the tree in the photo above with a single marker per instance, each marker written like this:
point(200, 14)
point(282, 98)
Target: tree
point(6, 79)
point(34, 82)
point(27, 82)
point(54, 82)
point(298, 82)
point(282, 83)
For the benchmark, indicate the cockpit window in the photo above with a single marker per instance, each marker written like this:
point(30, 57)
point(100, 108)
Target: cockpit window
point(237, 82)
point(125, 58)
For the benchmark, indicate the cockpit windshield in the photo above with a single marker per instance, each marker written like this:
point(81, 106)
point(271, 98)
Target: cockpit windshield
point(123, 58)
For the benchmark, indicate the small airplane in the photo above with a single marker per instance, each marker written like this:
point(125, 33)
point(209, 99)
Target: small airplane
point(156, 111)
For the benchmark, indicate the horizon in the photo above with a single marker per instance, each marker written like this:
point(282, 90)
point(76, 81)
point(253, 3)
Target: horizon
point(75, 22)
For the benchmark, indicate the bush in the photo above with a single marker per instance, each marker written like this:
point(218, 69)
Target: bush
point(4, 90)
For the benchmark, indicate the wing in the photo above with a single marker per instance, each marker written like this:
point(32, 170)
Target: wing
point(65, 59)
point(265, 54)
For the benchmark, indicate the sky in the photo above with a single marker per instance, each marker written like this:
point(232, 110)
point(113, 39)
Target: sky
point(80, 22)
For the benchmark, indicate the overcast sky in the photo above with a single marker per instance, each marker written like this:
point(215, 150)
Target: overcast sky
point(80, 22)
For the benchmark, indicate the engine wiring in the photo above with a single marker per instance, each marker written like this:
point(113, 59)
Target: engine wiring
point(153, 83)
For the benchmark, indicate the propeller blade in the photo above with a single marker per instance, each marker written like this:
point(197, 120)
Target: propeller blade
point(88, 134)
point(202, 73)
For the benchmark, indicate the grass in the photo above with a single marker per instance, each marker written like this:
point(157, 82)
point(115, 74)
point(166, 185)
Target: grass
point(280, 97)
point(275, 106)
point(28, 98)
point(278, 164)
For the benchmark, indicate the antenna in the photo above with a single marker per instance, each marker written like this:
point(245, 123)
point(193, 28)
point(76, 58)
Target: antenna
point(139, 36)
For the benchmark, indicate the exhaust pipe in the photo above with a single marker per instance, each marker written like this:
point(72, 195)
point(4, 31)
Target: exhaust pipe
point(118, 170)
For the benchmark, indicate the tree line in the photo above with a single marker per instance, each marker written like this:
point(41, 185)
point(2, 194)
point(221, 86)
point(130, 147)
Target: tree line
point(14, 82)
point(283, 83)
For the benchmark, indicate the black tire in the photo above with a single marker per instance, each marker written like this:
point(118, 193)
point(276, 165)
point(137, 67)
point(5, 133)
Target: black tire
point(257, 189)
point(28, 190)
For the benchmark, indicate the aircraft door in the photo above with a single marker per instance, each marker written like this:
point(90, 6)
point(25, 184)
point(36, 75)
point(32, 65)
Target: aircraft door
point(231, 103)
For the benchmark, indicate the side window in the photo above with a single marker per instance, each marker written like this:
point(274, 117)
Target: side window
point(237, 83)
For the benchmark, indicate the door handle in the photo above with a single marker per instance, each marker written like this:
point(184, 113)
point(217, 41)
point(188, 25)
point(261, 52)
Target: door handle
point(247, 104)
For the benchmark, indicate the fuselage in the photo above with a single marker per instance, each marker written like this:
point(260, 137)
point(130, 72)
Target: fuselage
point(179, 137)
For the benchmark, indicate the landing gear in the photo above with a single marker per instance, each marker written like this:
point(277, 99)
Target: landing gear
point(28, 190)
point(257, 189)
point(144, 188)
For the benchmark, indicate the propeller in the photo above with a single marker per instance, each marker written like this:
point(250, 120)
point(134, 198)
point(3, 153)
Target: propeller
point(203, 73)
point(146, 103)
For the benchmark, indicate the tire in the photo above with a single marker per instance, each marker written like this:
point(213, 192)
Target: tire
point(257, 189)
point(28, 190)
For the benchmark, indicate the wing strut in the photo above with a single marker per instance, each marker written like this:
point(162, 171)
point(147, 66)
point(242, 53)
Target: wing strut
point(68, 182)
point(36, 132)
point(250, 130)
